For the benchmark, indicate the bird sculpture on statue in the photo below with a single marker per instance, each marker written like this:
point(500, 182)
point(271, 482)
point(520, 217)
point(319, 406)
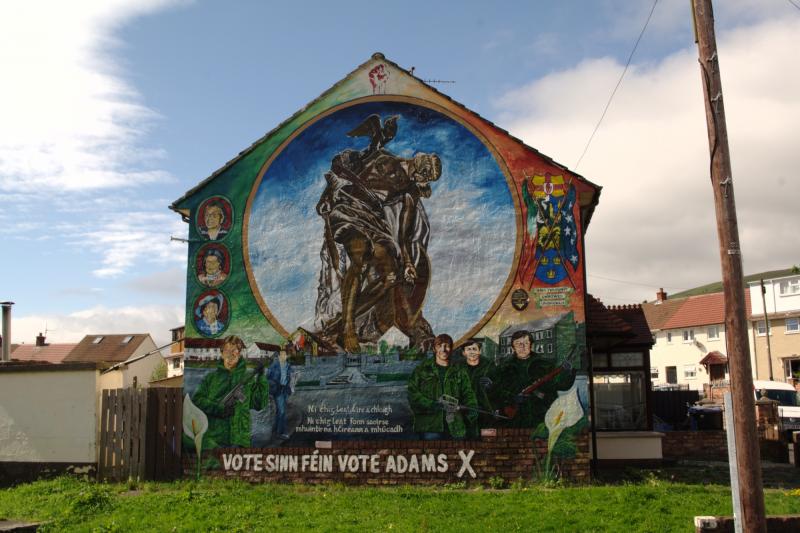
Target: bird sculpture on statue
point(379, 135)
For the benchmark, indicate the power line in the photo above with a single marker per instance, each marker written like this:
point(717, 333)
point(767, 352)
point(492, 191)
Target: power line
point(795, 5)
point(619, 82)
point(648, 285)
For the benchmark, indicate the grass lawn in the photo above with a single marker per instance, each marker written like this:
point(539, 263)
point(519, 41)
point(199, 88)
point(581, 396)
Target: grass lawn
point(220, 505)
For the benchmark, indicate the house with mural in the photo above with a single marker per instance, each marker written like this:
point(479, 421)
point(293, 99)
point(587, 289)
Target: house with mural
point(775, 335)
point(385, 206)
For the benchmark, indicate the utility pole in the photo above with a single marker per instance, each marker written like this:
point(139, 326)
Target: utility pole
point(766, 326)
point(748, 459)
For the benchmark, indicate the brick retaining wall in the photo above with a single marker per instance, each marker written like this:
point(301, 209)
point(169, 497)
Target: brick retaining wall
point(713, 445)
point(509, 455)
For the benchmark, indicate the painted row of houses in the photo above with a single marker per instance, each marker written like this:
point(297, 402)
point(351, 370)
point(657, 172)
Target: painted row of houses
point(690, 348)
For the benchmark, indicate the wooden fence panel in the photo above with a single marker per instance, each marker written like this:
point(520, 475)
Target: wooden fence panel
point(671, 405)
point(140, 434)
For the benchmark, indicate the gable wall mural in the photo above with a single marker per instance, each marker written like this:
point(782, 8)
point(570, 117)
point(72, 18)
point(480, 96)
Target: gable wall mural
point(385, 265)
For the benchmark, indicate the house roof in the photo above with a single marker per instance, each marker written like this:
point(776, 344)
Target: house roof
point(586, 210)
point(634, 315)
point(714, 358)
point(50, 353)
point(601, 321)
point(701, 310)
point(109, 349)
point(657, 313)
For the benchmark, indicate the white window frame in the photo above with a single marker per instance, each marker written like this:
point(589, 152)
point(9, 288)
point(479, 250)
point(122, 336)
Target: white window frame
point(715, 330)
point(689, 371)
point(761, 325)
point(795, 328)
point(688, 336)
point(789, 287)
point(669, 337)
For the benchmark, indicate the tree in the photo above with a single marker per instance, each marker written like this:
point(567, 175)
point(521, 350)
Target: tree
point(159, 372)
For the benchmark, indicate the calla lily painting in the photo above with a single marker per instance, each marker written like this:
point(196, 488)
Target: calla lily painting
point(195, 424)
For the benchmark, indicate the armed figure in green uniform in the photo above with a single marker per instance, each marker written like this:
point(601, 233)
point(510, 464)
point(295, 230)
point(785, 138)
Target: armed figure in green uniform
point(526, 385)
point(226, 396)
point(440, 395)
point(481, 374)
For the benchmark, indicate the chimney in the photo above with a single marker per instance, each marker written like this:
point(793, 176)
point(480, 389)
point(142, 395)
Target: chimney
point(5, 355)
point(40, 340)
point(661, 296)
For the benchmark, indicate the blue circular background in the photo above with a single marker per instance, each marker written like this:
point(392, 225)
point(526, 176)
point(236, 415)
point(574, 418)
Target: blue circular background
point(471, 212)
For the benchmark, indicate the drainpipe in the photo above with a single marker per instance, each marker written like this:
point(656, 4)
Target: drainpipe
point(766, 325)
point(6, 355)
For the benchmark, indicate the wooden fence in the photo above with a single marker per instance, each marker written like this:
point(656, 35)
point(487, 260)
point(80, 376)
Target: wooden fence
point(671, 405)
point(140, 434)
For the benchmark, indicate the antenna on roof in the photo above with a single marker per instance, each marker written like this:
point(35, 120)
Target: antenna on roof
point(438, 81)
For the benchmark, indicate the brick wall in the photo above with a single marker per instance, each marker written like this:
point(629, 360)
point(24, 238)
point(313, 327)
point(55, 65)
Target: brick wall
point(695, 445)
point(510, 455)
point(713, 445)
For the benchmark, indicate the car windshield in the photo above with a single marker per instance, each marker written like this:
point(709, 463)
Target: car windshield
point(783, 397)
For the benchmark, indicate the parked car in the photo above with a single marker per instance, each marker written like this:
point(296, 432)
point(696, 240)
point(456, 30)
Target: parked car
point(788, 401)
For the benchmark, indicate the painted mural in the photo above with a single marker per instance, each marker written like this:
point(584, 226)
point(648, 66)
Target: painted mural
point(385, 265)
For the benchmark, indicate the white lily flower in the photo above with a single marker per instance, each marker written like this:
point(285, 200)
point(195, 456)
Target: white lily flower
point(564, 412)
point(195, 423)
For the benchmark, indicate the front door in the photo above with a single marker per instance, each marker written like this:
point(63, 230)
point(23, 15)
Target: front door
point(672, 375)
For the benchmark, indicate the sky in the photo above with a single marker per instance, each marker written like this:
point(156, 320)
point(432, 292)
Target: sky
point(111, 110)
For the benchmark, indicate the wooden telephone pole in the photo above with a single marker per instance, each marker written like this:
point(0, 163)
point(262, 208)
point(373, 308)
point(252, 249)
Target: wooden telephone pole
point(751, 499)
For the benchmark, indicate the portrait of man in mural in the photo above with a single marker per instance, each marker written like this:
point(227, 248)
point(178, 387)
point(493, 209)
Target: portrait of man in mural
point(375, 267)
point(279, 376)
point(480, 372)
point(212, 266)
point(440, 395)
point(208, 314)
point(226, 396)
point(526, 385)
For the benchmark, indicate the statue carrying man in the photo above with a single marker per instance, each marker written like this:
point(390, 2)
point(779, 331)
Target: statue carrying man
point(375, 266)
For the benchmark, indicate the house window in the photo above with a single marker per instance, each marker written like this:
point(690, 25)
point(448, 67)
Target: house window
point(653, 372)
point(549, 348)
point(620, 400)
point(688, 335)
point(789, 287)
point(713, 333)
point(672, 375)
point(97, 340)
point(792, 325)
point(761, 327)
point(127, 339)
point(540, 348)
point(176, 363)
point(669, 337)
point(689, 371)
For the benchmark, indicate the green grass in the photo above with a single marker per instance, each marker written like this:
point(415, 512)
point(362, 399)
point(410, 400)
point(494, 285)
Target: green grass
point(220, 505)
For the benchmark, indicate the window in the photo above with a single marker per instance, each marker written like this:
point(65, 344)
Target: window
point(127, 339)
point(713, 333)
point(761, 327)
point(669, 337)
point(97, 340)
point(549, 333)
point(688, 335)
point(792, 325)
point(672, 375)
point(176, 363)
point(620, 400)
point(549, 348)
point(689, 371)
point(540, 348)
point(625, 359)
point(789, 287)
point(653, 372)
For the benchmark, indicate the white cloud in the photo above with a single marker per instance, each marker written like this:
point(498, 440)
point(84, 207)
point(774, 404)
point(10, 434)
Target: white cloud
point(655, 223)
point(70, 121)
point(127, 240)
point(153, 319)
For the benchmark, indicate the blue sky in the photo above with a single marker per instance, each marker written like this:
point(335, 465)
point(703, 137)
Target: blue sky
point(118, 107)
